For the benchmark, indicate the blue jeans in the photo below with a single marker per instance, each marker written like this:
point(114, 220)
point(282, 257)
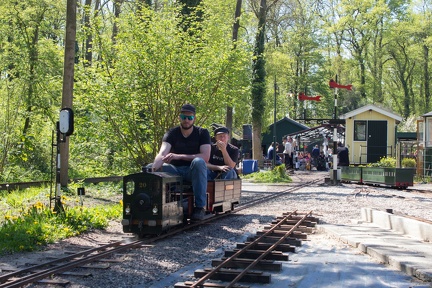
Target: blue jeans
point(195, 173)
point(230, 174)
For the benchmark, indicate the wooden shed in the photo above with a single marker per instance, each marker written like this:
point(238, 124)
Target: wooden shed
point(370, 134)
point(284, 127)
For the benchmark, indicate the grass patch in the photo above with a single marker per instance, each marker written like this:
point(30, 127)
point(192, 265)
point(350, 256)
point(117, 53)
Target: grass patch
point(276, 175)
point(28, 223)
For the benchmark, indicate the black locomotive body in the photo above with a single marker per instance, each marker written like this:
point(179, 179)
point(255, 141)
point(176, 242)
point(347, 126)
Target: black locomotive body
point(154, 202)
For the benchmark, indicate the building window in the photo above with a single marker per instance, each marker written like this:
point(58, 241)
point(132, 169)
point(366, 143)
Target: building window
point(420, 135)
point(359, 130)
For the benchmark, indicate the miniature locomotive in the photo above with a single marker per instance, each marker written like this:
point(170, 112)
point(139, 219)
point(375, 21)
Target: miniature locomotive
point(154, 202)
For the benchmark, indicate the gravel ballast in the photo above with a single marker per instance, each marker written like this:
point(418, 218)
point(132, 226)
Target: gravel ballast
point(150, 266)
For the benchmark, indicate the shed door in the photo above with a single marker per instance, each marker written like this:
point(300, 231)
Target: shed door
point(377, 140)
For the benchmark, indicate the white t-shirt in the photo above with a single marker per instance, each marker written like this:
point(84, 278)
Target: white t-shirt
point(288, 148)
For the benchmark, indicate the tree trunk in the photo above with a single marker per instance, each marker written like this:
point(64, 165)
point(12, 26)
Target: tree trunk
point(236, 26)
point(68, 80)
point(33, 58)
point(426, 78)
point(89, 39)
point(258, 84)
point(117, 11)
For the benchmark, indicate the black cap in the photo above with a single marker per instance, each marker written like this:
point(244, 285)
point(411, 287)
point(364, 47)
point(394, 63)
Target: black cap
point(221, 130)
point(188, 108)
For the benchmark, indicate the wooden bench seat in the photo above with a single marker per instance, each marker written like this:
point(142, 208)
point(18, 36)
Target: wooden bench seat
point(221, 195)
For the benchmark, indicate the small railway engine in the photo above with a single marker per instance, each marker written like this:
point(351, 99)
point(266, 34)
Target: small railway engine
point(151, 202)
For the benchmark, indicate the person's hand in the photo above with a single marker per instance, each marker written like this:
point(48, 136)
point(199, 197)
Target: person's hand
point(169, 157)
point(221, 145)
point(224, 168)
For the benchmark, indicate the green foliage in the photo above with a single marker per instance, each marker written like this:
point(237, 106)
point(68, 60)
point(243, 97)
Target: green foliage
point(27, 222)
point(384, 162)
point(128, 96)
point(31, 69)
point(276, 175)
point(38, 225)
point(409, 163)
point(156, 69)
point(422, 179)
point(390, 162)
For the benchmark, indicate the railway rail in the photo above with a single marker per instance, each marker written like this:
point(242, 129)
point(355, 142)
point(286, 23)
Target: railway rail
point(32, 274)
point(23, 185)
point(21, 277)
point(245, 263)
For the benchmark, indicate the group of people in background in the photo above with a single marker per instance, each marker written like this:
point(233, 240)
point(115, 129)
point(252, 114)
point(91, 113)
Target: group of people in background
point(317, 159)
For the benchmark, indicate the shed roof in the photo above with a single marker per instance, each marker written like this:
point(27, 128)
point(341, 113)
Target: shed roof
point(284, 127)
point(290, 121)
point(368, 108)
point(406, 135)
point(319, 132)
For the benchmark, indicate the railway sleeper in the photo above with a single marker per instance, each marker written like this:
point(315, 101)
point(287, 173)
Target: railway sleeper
point(229, 275)
point(297, 218)
point(254, 254)
point(280, 234)
point(298, 215)
point(77, 274)
point(58, 282)
point(265, 265)
point(188, 284)
point(273, 239)
point(293, 222)
point(302, 229)
point(100, 266)
point(266, 246)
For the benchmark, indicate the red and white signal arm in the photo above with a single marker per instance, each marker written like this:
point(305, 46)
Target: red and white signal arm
point(66, 125)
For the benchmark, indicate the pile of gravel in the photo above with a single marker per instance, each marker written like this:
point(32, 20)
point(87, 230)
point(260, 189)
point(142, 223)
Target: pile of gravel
point(147, 266)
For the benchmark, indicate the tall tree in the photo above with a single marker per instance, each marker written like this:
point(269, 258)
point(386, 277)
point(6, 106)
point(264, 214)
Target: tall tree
point(236, 26)
point(87, 29)
point(117, 11)
point(402, 66)
point(29, 83)
point(258, 81)
point(358, 34)
point(422, 30)
point(158, 67)
point(68, 83)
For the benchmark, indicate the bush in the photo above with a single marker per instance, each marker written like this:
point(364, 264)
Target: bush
point(384, 162)
point(27, 222)
point(276, 175)
point(409, 163)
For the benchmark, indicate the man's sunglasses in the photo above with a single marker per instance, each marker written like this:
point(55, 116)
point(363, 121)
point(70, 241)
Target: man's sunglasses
point(184, 117)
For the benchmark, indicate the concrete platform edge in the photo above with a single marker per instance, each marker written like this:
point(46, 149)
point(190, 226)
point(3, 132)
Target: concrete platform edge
point(385, 253)
point(411, 227)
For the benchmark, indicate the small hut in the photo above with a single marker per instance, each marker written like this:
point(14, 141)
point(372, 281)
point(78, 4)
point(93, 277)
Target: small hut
point(370, 133)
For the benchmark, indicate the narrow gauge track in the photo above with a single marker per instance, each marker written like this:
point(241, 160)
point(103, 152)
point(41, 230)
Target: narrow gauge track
point(32, 274)
point(257, 254)
point(272, 195)
point(22, 185)
point(423, 191)
point(409, 195)
point(21, 277)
